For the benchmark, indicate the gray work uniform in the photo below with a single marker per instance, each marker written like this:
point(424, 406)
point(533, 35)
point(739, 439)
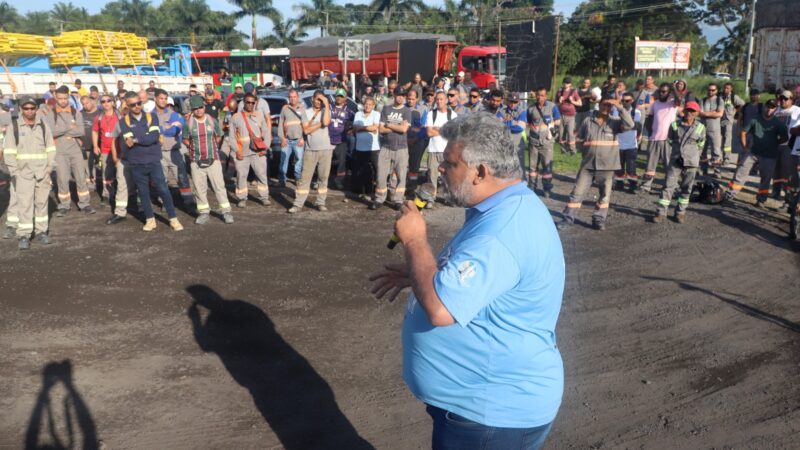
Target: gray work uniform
point(316, 157)
point(713, 145)
point(290, 127)
point(67, 134)
point(30, 162)
point(687, 143)
point(393, 157)
point(541, 137)
point(600, 159)
point(728, 122)
point(240, 137)
point(172, 160)
point(12, 217)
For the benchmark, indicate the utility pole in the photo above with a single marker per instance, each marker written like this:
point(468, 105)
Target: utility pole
point(327, 17)
point(748, 63)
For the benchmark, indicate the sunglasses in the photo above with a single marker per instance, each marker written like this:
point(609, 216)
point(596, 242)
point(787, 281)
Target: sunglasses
point(249, 103)
point(451, 95)
point(29, 108)
point(783, 98)
point(133, 105)
point(105, 101)
point(475, 96)
point(712, 90)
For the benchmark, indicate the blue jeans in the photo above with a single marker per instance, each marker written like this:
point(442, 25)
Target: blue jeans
point(143, 175)
point(453, 432)
point(286, 152)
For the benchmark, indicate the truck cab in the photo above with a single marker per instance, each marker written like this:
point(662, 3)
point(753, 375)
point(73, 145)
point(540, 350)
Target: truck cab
point(487, 65)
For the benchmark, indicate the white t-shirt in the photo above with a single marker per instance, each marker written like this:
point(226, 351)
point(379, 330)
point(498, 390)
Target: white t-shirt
point(791, 117)
point(437, 143)
point(627, 139)
point(367, 141)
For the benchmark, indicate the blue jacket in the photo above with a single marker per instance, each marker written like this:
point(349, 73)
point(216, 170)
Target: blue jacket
point(147, 136)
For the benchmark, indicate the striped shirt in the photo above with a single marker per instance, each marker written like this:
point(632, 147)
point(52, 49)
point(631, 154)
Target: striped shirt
point(202, 138)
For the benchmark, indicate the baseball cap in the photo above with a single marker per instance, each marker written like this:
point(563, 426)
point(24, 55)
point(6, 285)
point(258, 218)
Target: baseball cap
point(196, 102)
point(755, 91)
point(787, 94)
point(692, 105)
point(340, 93)
point(237, 85)
point(512, 97)
point(27, 101)
point(770, 104)
point(399, 91)
point(461, 74)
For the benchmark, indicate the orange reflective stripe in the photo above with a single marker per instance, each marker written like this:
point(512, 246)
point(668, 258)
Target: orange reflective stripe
point(602, 206)
point(63, 195)
point(648, 173)
point(735, 186)
point(573, 205)
point(81, 194)
point(547, 176)
point(763, 191)
point(600, 143)
point(322, 191)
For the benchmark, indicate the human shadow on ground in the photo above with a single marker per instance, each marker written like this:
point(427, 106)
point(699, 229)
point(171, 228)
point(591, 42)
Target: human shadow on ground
point(757, 223)
point(296, 402)
point(60, 418)
point(742, 307)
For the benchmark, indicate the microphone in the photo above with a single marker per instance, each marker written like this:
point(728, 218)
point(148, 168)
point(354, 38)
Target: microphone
point(423, 195)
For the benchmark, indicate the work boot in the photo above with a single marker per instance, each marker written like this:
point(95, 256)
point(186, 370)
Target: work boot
point(9, 233)
point(175, 225)
point(374, 206)
point(89, 210)
point(264, 201)
point(429, 205)
point(294, 210)
point(658, 218)
point(322, 208)
point(547, 193)
point(24, 243)
point(599, 225)
point(115, 219)
point(241, 204)
point(61, 212)
point(202, 219)
point(42, 238)
point(680, 217)
point(149, 225)
point(227, 217)
point(565, 224)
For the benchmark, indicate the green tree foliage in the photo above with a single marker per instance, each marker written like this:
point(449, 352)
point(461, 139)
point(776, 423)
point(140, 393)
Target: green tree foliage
point(600, 35)
point(9, 18)
point(253, 9)
point(734, 16)
point(285, 32)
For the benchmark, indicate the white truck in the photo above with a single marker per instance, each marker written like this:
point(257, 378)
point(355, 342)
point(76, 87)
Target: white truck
point(776, 58)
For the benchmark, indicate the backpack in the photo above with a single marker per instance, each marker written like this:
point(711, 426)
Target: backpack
point(449, 115)
point(708, 192)
point(71, 110)
point(15, 125)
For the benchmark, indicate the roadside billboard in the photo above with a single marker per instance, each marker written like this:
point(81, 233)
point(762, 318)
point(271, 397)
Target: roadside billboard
point(661, 55)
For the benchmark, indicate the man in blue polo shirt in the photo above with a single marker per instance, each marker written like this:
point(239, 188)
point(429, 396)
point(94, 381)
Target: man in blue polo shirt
point(479, 344)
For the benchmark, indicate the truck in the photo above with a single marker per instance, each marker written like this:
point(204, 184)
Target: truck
point(776, 40)
point(310, 58)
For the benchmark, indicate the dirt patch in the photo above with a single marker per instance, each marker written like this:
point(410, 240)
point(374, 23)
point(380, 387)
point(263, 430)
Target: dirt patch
point(263, 335)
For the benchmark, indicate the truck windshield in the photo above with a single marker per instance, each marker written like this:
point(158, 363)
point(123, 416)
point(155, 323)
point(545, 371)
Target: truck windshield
point(487, 64)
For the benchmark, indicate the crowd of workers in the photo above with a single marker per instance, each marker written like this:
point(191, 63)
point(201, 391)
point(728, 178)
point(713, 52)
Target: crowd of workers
point(124, 144)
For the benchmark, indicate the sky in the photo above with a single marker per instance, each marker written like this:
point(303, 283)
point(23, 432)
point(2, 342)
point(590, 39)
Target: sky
point(264, 26)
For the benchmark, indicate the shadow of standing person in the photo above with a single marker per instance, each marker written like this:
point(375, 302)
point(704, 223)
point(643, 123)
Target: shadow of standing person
point(59, 424)
point(297, 403)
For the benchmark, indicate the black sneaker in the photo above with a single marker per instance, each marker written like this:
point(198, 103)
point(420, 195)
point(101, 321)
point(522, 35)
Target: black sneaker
point(115, 219)
point(24, 243)
point(374, 205)
point(42, 238)
point(89, 210)
point(599, 225)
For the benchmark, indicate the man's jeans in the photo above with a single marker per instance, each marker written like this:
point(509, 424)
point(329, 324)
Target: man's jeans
point(286, 153)
point(452, 432)
point(143, 175)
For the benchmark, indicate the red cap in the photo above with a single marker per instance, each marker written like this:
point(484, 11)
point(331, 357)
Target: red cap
point(692, 105)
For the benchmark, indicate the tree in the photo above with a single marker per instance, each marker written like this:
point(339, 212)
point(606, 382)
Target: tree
point(37, 22)
point(285, 33)
point(320, 13)
point(253, 8)
point(387, 9)
point(69, 17)
point(734, 16)
point(9, 18)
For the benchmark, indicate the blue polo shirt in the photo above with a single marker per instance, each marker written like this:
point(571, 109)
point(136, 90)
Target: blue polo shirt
point(501, 277)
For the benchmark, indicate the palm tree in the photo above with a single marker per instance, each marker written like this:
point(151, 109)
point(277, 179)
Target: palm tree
point(8, 16)
point(320, 13)
point(253, 8)
point(69, 15)
point(37, 22)
point(388, 8)
point(284, 33)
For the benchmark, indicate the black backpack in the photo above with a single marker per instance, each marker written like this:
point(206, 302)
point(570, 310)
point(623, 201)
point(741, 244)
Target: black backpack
point(15, 126)
point(709, 192)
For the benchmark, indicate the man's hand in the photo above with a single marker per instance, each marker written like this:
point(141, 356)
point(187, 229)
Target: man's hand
point(97, 151)
point(264, 153)
point(284, 143)
point(410, 225)
point(393, 279)
point(301, 142)
point(129, 142)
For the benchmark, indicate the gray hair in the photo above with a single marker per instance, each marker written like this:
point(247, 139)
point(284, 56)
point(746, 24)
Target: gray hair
point(484, 140)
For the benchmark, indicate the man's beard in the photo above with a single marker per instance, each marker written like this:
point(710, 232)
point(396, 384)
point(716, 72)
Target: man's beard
point(458, 195)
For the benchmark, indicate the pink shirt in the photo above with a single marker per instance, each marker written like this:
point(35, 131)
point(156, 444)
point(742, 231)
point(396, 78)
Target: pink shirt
point(663, 115)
